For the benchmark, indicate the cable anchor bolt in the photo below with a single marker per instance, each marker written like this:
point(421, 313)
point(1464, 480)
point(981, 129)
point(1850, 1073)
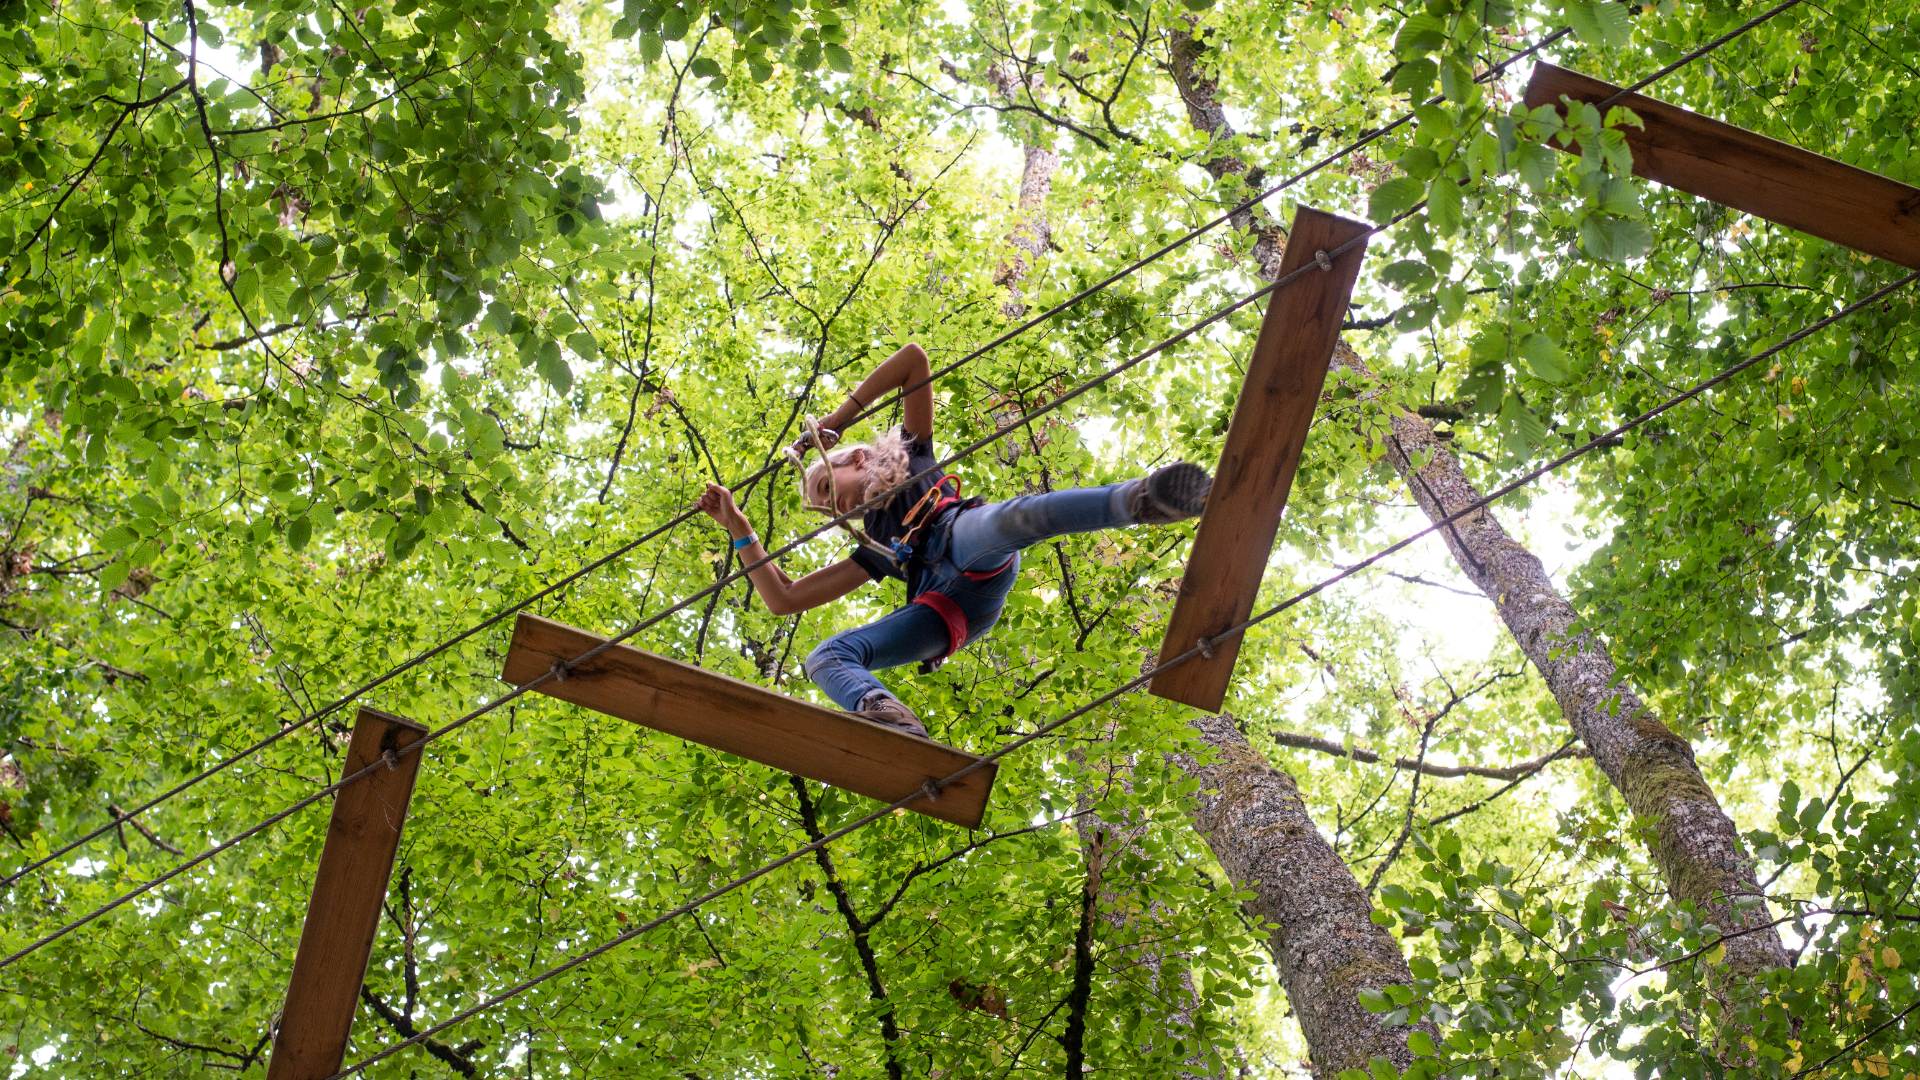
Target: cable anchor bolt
point(560, 670)
point(1323, 260)
point(1205, 645)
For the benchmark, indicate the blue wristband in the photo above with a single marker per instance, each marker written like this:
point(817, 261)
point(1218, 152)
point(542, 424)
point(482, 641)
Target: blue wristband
point(745, 542)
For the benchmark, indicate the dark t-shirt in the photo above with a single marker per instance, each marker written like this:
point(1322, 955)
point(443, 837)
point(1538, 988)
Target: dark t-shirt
point(886, 522)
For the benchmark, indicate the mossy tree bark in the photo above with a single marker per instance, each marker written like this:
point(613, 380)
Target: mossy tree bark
point(1032, 235)
point(1324, 941)
point(1695, 844)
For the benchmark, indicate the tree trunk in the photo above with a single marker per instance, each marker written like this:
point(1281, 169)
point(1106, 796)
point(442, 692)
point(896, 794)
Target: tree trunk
point(1696, 847)
point(1324, 943)
point(1031, 235)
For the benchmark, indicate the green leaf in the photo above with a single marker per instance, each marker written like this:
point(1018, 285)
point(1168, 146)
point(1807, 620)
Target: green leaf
point(119, 538)
point(1421, 1044)
point(1580, 14)
point(1393, 197)
point(1456, 80)
point(1415, 77)
point(114, 574)
point(499, 317)
point(553, 367)
point(583, 345)
point(1419, 162)
point(1548, 361)
point(1611, 22)
point(839, 59)
point(1534, 162)
point(1444, 205)
point(1523, 431)
point(1614, 239)
point(1407, 274)
point(1422, 32)
point(299, 531)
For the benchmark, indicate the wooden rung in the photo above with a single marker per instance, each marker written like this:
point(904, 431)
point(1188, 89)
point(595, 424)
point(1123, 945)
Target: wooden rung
point(740, 718)
point(1263, 447)
point(344, 912)
point(1750, 172)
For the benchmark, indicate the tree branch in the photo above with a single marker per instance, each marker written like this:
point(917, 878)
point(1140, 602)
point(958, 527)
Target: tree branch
point(1514, 783)
point(128, 108)
point(1297, 741)
point(120, 815)
point(862, 946)
point(456, 1057)
point(1073, 1039)
point(506, 530)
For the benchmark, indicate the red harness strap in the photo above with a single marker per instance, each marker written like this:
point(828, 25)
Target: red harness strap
point(987, 575)
point(940, 603)
point(950, 614)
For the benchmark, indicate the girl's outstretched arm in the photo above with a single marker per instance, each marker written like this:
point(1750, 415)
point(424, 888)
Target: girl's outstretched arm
point(908, 367)
point(781, 594)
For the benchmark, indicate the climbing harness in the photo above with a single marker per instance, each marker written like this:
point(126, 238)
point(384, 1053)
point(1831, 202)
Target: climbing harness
point(943, 494)
point(958, 630)
point(919, 515)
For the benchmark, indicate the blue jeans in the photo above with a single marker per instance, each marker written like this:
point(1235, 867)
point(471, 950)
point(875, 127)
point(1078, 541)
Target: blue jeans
point(979, 540)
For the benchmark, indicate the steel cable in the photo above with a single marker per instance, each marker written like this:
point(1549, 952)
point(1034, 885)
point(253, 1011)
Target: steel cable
point(1025, 421)
point(1524, 479)
point(686, 514)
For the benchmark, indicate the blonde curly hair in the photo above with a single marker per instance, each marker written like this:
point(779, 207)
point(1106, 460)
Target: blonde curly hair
point(885, 468)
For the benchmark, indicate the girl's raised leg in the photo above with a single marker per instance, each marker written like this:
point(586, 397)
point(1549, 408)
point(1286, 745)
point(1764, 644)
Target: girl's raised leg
point(984, 536)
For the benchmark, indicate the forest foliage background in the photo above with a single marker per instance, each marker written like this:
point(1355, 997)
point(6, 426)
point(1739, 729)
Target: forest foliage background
point(330, 329)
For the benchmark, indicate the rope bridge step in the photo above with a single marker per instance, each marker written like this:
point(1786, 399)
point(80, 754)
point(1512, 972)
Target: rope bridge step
point(343, 914)
point(1264, 442)
point(740, 718)
point(1750, 172)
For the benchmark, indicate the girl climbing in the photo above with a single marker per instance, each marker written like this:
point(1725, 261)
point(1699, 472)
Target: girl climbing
point(958, 556)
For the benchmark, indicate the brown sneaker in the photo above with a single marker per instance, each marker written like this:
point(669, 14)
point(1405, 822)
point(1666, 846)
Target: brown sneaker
point(883, 708)
point(1172, 493)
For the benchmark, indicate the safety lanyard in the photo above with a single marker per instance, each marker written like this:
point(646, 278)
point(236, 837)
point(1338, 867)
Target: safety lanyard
point(833, 492)
point(914, 520)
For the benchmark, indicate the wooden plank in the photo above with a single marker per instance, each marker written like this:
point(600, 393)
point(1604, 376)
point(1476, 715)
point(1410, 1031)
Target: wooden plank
point(1262, 452)
point(740, 718)
point(344, 912)
point(1750, 172)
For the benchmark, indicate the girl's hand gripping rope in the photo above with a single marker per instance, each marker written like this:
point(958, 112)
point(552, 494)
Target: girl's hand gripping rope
point(813, 437)
point(717, 503)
